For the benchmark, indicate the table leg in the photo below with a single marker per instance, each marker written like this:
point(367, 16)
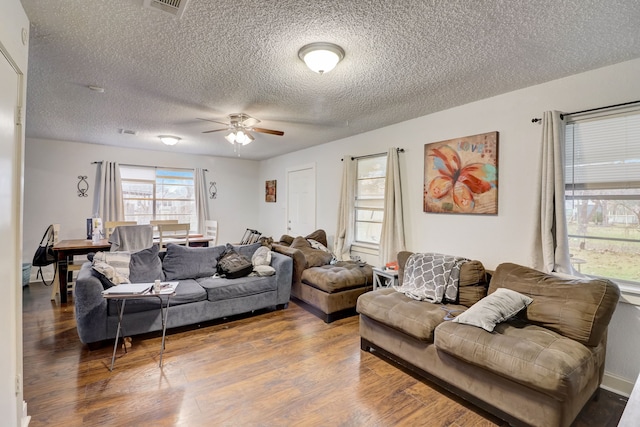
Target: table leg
point(62, 275)
point(115, 345)
point(165, 314)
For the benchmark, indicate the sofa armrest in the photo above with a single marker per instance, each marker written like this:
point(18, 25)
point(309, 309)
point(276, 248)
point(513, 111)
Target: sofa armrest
point(90, 306)
point(284, 269)
point(299, 261)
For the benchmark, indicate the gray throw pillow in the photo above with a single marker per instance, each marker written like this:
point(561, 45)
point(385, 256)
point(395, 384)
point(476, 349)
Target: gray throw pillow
point(145, 266)
point(181, 262)
point(501, 305)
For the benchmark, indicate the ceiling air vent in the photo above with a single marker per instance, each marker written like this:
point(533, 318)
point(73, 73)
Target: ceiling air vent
point(172, 7)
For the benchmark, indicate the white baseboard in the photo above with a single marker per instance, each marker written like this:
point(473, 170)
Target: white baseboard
point(26, 419)
point(618, 385)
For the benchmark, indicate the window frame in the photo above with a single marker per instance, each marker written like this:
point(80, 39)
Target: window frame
point(588, 188)
point(373, 209)
point(154, 200)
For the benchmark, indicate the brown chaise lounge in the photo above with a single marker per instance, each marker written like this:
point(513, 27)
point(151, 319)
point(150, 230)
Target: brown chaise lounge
point(329, 291)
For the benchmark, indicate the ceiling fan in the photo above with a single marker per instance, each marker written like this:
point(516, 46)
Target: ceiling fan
point(239, 126)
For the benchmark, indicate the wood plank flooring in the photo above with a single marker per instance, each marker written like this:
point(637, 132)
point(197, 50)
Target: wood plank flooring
point(281, 368)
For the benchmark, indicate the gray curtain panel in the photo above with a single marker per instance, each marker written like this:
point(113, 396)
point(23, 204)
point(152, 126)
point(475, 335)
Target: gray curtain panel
point(108, 203)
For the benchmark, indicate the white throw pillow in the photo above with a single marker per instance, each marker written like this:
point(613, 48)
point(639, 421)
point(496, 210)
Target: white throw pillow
point(501, 305)
point(262, 256)
point(264, 270)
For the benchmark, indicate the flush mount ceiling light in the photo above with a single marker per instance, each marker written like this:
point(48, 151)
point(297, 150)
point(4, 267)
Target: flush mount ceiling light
point(321, 57)
point(169, 140)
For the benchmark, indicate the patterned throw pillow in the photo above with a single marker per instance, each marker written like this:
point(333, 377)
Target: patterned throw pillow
point(113, 265)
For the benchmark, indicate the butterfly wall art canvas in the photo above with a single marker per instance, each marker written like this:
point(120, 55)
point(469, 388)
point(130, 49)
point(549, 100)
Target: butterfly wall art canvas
point(461, 175)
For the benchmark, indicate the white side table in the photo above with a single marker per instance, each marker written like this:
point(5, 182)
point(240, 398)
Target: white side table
point(384, 278)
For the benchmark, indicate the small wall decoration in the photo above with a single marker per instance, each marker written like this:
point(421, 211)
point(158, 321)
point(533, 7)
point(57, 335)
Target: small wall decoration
point(461, 175)
point(213, 190)
point(270, 191)
point(83, 186)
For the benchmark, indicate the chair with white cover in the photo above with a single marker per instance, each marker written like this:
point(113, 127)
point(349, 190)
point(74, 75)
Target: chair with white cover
point(211, 231)
point(109, 226)
point(132, 238)
point(173, 233)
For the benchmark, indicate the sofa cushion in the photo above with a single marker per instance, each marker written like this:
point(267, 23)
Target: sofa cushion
point(247, 250)
point(576, 308)
point(188, 291)
point(183, 262)
point(219, 288)
point(527, 354)
point(473, 279)
point(337, 278)
point(146, 266)
point(501, 305)
point(313, 257)
point(417, 319)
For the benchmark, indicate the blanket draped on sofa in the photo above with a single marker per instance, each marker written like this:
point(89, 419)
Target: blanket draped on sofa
point(431, 277)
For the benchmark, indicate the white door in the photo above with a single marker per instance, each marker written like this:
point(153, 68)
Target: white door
point(11, 237)
point(301, 200)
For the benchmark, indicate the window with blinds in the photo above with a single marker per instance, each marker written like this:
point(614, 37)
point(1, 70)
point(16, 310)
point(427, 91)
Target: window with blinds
point(158, 194)
point(602, 194)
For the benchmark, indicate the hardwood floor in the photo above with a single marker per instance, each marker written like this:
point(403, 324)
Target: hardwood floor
point(280, 368)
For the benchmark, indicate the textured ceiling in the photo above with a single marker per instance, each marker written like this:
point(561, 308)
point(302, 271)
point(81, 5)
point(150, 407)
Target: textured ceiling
point(404, 59)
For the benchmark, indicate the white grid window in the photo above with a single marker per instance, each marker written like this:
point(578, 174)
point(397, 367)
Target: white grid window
point(158, 193)
point(369, 206)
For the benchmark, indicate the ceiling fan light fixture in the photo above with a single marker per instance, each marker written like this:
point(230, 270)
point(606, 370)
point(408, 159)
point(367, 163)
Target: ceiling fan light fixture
point(231, 137)
point(321, 57)
point(169, 139)
point(239, 137)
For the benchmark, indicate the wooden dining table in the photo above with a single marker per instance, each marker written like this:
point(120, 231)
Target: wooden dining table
point(66, 249)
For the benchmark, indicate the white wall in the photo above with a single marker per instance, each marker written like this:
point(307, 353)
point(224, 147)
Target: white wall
point(51, 177)
point(491, 239)
point(14, 54)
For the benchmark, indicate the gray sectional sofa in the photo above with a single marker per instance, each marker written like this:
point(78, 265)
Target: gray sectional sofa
point(538, 369)
point(199, 296)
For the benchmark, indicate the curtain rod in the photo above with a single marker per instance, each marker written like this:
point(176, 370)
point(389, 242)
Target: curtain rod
point(145, 166)
point(536, 120)
point(399, 150)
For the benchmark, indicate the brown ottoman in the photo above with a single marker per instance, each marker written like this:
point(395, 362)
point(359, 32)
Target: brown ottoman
point(331, 291)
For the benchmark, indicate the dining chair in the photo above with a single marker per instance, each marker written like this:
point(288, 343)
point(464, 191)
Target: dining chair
point(173, 233)
point(155, 222)
point(211, 231)
point(109, 226)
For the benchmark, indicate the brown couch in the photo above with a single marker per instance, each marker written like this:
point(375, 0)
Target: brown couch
point(539, 368)
point(329, 291)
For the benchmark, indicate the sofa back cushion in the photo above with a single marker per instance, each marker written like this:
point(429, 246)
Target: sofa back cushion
point(318, 235)
point(473, 283)
point(576, 308)
point(145, 266)
point(183, 262)
point(313, 257)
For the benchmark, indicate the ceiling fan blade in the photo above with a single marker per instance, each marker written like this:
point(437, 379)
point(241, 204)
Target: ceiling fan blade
point(215, 130)
point(269, 131)
point(250, 121)
point(214, 121)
